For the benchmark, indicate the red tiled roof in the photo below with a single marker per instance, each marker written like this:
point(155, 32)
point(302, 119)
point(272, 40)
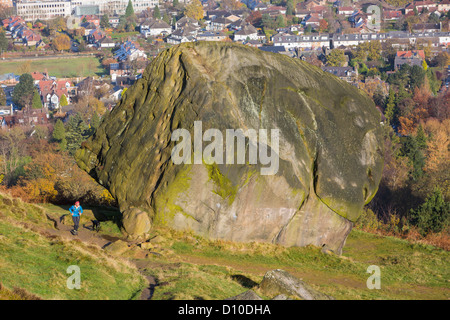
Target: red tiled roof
point(409, 54)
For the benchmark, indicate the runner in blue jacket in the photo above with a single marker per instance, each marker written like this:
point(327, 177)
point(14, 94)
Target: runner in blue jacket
point(76, 211)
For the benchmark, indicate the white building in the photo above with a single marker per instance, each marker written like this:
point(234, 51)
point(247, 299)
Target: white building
point(155, 27)
point(33, 10)
point(247, 32)
point(116, 7)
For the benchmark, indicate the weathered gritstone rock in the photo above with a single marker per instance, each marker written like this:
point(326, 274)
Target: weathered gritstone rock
point(276, 282)
point(330, 157)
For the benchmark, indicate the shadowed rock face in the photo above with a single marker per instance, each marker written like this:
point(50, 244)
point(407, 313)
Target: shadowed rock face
point(330, 157)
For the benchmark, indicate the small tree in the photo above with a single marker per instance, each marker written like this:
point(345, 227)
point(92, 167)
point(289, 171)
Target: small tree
point(2, 97)
point(432, 215)
point(166, 18)
point(3, 42)
point(156, 13)
point(59, 134)
point(63, 102)
point(104, 21)
point(61, 42)
point(94, 123)
point(36, 102)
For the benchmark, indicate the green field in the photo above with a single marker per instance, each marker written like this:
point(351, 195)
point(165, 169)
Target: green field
point(60, 68)
point(120, 35)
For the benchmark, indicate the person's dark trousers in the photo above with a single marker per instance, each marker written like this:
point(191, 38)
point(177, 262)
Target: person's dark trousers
point(76, 222)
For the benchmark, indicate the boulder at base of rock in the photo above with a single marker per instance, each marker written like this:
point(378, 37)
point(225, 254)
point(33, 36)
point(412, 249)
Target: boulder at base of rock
point(136, 222)
point(247, 295)
point(278, 281)
point(119, 247)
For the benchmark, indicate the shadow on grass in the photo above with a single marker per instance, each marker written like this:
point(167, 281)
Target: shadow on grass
point(244, 281)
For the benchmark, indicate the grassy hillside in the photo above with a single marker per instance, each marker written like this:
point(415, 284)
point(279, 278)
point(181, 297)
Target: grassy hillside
point(186, 266)
point(408, 271)
point(36, 261)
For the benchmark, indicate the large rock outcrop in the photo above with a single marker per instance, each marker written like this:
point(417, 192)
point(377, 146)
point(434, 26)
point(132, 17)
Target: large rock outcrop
point(329, 151)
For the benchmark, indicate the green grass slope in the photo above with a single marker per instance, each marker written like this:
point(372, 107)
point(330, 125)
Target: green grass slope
point(34, 261)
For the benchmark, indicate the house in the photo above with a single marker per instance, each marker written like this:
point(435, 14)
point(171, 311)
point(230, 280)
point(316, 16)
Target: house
point(155, 27)
point(186, 22)
point(260, 7)
point(26, 117)
point(248, 32)
point(345, 11)
point(391, 15)
point(114, 21)
point(348, 74)
point(253, 43)
point(89, 27)
point(237, 25)
point(51, 92)
point(426, 27)
point(310, 41)
point(116, 93)
point(420, 6)
point(94, 36)
point(311, 19)
point(39, 76)
point(219, 24)
point(106, 42)
point(9, 78)
point(277, 49)
point(90, 18)
point(187, 34)
point(212, 36)
point(443, 6)
point(128, 51)
point(412, 58)
point(6, 110)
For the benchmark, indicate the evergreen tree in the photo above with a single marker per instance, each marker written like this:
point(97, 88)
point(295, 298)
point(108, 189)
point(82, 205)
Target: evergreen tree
point(2, 97)
point(76, 132)
point(290, 8)
point(166, 18)
point(433, 215)
point(175, 3)
point(156, 13)
point(390, 110)
point(129, 11)
point(59, 134)
point(104, 21)
point(36, 102)
point(23, 91)
point(94, 123)
point(421, 138)
point(417, 76)
point(412, 150)
point(3, 42)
